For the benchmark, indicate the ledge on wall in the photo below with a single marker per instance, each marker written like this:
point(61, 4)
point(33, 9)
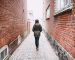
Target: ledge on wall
point(68, 9)
point(47, 18)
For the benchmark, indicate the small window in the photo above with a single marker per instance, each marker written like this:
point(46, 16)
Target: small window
point(48, 12)
point(3, 53)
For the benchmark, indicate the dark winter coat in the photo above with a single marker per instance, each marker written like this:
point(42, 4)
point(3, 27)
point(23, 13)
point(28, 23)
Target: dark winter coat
point(37, 28)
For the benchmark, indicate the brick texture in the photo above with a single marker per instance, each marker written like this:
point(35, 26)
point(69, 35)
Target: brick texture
point(62, 27)
point(12, 20)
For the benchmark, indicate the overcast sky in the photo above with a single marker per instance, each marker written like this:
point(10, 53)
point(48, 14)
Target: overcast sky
point(36, 7)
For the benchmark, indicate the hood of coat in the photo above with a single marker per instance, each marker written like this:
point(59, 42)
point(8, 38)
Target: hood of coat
point(37, 24)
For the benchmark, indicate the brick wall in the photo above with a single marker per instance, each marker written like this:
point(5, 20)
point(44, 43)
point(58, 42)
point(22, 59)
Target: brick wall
point(12, 20)
point(64, 31)
point(62, 27)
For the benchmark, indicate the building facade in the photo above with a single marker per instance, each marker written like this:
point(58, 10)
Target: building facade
point(60, 23)
point(13, 25)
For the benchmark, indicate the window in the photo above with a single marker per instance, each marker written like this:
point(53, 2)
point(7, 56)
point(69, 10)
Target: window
point(2, 55)
point(3, 52)
point(48, 12)
point(61, 5)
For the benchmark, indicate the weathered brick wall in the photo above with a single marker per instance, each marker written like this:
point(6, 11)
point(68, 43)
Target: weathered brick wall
point(50, 22)
point(62, 28)
point(12, 20)
point(73, 7)
point(64, 31)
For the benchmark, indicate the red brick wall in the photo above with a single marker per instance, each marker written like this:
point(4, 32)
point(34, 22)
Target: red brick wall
point(12, 21)
point(64, 31)
point(50, 21)
point(62, 28)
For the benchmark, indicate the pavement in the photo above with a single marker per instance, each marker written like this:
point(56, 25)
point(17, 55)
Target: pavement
point(27, 50)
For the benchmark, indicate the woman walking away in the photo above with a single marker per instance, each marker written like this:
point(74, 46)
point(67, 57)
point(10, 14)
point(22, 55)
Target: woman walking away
point(37, 29)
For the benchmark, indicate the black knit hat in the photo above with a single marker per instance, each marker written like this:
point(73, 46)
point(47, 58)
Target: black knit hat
point(36, 21)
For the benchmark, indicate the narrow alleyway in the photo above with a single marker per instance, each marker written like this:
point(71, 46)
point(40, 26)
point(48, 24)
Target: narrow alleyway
point(27, 51)
point(57, 18)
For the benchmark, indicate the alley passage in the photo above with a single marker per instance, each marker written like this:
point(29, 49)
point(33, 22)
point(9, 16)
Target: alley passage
point(27, 50)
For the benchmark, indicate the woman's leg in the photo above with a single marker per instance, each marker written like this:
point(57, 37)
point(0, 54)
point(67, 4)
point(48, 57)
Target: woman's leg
point(37, 42)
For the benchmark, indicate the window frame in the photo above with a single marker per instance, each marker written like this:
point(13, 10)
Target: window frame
point(48, 12)
point(4, 51)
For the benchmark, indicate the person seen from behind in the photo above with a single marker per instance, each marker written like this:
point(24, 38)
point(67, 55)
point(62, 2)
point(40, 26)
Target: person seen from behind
point(37, 29)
